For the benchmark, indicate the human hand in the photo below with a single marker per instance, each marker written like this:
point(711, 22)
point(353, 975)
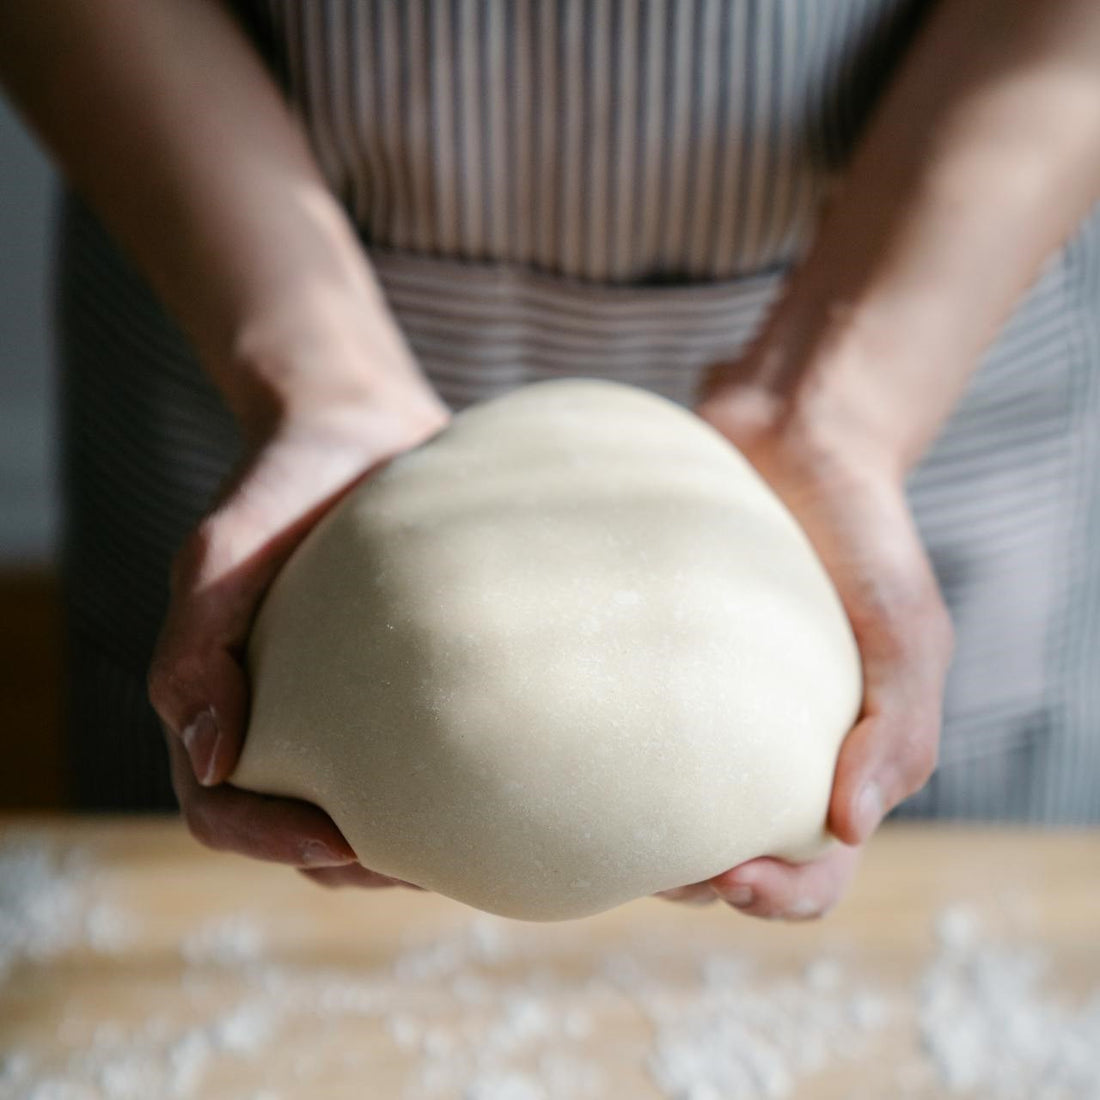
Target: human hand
point(848, 496)
point(297, 468)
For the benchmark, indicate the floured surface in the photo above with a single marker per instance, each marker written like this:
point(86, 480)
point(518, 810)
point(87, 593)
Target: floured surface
point(570, 652)
point(138, 965)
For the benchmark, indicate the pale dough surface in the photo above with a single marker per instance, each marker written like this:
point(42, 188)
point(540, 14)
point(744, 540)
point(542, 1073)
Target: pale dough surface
point(570, 652)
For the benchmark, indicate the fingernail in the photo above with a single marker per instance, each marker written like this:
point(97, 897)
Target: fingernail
point(803, 909)
point(869, 808)
point(683, 895)
point(200, 738)
point(694, 897)
point(698, 901)
point(316, 853)
point(740, 897)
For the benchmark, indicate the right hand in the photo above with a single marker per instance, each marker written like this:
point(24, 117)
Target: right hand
point(293, 474)
point(848, 495)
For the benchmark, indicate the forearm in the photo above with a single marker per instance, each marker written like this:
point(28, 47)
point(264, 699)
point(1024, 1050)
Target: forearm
point(162, 115)
point(982, 158)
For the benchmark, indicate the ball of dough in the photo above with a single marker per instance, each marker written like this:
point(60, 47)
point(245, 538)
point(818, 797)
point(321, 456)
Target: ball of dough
point(569, 652)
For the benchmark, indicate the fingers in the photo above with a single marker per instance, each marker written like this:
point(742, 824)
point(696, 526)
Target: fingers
point(200, 694)
point(886, 758)
point(196, 681)
point(778, 890)
point(859, 521)
point(850, 502)
point(889, 755)
point(697, 894)
point(352, 875)
point(864, 532)
point(280, 830)
point(906, 645)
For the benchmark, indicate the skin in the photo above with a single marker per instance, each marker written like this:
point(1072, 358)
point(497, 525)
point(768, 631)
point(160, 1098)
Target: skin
point(981, 160)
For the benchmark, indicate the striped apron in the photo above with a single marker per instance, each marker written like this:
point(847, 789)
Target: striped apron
point(613, 188)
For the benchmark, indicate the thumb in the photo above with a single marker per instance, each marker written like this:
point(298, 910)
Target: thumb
point(197, 681)
point(892, 750)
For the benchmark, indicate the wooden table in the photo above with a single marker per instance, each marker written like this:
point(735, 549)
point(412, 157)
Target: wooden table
point(173, 971)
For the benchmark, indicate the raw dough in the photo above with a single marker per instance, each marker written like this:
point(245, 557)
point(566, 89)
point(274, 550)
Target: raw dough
point(569, 652)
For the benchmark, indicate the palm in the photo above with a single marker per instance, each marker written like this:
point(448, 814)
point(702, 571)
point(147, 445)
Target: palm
point(856, 516)
point(219, 579)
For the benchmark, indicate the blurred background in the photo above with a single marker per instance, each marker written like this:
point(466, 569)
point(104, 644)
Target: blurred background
point(30, 704)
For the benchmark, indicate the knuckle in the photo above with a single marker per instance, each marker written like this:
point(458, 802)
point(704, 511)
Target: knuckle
point(790, 907)
point(204, 551)
point(191, 559)
point(317, 878)
point(919, 757)
point(200, 826)
point(803, 912)
point(212, 559)
point(884, 612)
point(172, 681)
point(933, 622)
point(905, 617)
point(211, 825)
point(941, 628)
point(188, 559)
point(158, 687)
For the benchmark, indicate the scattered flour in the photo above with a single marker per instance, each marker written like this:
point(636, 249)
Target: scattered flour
point(144, 1063)
point(230, 940)
point(497, 1011)
point(738, 1038)
point(989, 1027)
point(47, 906)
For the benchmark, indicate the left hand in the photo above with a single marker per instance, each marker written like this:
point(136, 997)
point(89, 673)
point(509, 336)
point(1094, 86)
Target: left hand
point(848, 496)
point(298, 466)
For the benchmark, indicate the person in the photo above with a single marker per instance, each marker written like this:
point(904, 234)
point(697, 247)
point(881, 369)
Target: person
point(857, 236)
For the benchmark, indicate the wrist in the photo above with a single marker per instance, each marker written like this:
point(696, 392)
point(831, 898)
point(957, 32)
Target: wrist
point(331, 363)
point(859, 378)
